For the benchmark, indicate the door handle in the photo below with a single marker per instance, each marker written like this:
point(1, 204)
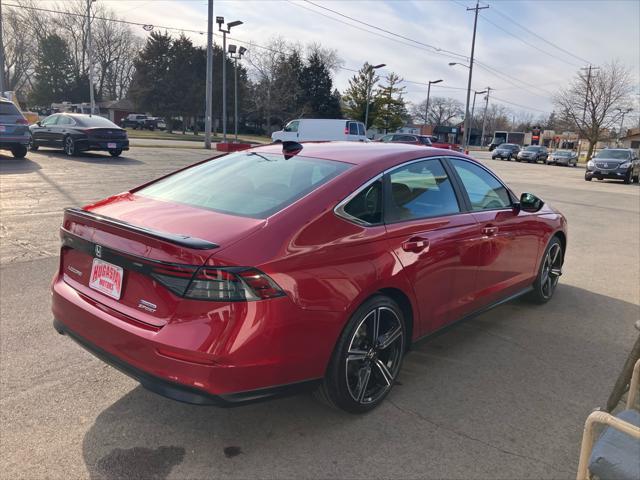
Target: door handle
point(416, 245)
point(489, 231)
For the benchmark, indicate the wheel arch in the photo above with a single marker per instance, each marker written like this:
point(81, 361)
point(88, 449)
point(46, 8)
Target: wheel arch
point(405, 305)
point(563, 242)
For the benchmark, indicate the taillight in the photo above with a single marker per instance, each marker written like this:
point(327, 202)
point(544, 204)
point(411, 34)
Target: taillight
point(346, 131)
point(22, 121)
point(218, 284)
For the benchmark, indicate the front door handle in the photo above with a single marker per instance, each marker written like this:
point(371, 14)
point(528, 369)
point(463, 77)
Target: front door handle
point(489, 231)
point(416, 245)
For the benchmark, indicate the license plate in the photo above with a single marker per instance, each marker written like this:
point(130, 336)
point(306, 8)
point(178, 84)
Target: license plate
point(106, 278)
point(112, 145)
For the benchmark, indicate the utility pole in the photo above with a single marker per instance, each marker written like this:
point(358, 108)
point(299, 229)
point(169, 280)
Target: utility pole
point(1, 55)
point(426, 108)
point(209, 94)
point(484, 116)
point(586, 101)
point(465, 137)
point(623, 112)
point(220, 21)
point(90, 54)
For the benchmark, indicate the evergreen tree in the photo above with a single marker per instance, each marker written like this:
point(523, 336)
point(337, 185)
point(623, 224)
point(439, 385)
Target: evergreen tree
point(362, 86)
point(53, 72)
point(392, 110)
point(317, 88)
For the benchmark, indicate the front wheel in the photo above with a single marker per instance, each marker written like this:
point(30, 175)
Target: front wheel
point(33, 146)
point(508, 158)
point(628, 178)
point(367, 358)
point(636, 179)
point(549, 273)
point(69, 146)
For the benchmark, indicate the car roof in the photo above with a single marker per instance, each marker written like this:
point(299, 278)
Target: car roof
point(383, 155)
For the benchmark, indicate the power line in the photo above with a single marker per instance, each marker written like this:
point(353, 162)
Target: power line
point(518, 105)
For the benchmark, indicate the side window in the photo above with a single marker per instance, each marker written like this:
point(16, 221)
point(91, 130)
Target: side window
point(292, 126)
point(484, 190)
point(65, 121)
point(406, 138)
point(366, 206)
point(353, 128)
point(386, 138)
point(420, 190)
point(361, 129)
point(47, 122)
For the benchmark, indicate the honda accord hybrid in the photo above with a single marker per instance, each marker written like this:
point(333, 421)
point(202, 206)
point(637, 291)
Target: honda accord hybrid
point(294, 266)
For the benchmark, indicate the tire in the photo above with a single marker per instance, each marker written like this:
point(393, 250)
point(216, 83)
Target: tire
point(115, 153)
point(362, 371)
point(508, 158)
point(69, 146)
point(636, 179)
point(33, 146)
point(628, 178)
point(548, 273)
point(588, 179)
point(19, 151)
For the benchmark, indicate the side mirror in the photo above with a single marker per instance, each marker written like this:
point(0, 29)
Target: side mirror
point(530, 203)
point(39, 123)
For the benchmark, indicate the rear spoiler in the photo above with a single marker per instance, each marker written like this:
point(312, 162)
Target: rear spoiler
point(175, 238)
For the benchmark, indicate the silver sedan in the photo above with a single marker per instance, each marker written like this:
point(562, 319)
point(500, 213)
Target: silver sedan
point(563, 157)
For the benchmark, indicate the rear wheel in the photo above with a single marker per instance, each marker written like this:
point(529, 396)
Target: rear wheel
point(19, 151)
point(115, 153)
point(367, 358)
point(549, 273)
point(69, 146)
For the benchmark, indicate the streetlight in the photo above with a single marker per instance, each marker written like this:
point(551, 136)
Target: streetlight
point(236, 56)
point(220, 21)
point(451, 64)
point(623, 112)
point(426, 109)
point(473, 109)
point(369, 81)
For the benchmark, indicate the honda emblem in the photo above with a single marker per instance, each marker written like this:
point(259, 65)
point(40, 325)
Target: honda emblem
point(98, 251)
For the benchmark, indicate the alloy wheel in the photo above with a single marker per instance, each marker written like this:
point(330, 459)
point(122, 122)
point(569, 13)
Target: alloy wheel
point(374, 355)
point(69, 147)
point(551, 270)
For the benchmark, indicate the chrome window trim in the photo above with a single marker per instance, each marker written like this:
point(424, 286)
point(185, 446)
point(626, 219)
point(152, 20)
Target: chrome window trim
point(339, 208)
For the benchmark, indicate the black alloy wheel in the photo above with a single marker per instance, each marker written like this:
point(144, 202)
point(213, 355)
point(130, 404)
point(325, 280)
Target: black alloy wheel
point(549, 273)
point(367, 358)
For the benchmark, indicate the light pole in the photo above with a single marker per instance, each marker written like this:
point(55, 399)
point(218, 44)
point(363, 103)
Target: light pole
point(90, 54)
point(1, 56)
point(473, 109)
point(209, 91)
point(466, 115)
point(426, 108)
point(220, 21)
point(369, 81)
point(623, 112)
point(236, 56)
point(484, 116)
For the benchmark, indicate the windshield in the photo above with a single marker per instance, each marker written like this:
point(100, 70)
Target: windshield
point(532, 149)
point(248, 184)
point(562, 154)
point(613, 154)
point(508, 146)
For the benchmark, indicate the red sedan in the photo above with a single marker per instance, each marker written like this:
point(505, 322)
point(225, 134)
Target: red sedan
point(297, 265)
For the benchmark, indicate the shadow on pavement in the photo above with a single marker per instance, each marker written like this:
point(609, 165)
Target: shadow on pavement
point(91, 157)
point(10, 165)
point(502, 396)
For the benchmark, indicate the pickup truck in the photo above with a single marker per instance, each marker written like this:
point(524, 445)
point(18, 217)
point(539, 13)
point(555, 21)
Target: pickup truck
point(142, 122)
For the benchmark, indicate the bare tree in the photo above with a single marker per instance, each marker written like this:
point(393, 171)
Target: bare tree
point(592, 103)
point(442, 111)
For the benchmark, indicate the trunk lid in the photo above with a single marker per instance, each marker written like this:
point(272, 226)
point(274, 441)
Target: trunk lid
point(155, 248)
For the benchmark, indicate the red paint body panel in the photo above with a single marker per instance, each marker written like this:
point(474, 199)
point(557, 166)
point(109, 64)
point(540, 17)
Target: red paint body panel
point(325, 265)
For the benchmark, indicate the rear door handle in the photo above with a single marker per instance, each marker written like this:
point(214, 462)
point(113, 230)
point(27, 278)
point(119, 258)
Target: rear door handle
point(416, 245)
point(489, 231)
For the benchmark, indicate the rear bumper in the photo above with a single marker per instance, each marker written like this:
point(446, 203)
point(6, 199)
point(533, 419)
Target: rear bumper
point(96, 145)
point(225, 357)
point(7, 143)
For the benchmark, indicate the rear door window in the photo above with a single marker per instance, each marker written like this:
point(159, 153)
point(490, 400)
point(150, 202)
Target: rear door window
point(420, 190)
point(353, 128)
point(249, 184)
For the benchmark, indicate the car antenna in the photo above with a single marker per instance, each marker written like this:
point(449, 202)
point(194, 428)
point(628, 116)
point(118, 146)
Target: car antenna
point(290, 148)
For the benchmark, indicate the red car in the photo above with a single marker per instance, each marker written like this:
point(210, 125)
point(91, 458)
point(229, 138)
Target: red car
point(414, 139)
point(297, 265)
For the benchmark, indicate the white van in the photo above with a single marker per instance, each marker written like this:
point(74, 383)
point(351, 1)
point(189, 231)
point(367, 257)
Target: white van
point(320, 129)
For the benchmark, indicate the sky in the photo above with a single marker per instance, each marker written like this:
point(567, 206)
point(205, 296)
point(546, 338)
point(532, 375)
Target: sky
point(526, 50)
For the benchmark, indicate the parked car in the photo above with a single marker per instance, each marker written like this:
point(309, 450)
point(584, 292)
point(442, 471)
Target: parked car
point(407, 138)
point(436, 143)
point(75, 133)
point(316, 129)
point(506, 151)
point(14, 130)
point(277, 268)
point(614, 163)
point(563, 157)
point(533, 154)
point(142, 122)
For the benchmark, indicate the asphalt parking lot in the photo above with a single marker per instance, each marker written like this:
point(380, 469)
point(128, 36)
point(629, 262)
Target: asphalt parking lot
point(502, 396)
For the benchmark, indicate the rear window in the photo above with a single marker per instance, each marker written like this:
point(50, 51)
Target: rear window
point(248, 184)
point(95, 121)
point(7, 108)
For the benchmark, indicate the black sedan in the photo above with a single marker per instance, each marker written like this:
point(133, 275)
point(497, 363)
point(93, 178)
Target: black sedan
point(614, 163)
point(75, 133)
point(506, 151)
